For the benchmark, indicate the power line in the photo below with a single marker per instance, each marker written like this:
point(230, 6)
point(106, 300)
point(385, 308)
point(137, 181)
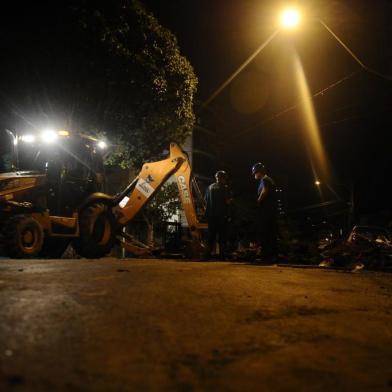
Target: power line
point(294, 106)
point(354, 56)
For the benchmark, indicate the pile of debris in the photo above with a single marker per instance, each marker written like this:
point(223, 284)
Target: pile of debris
point(367, 247)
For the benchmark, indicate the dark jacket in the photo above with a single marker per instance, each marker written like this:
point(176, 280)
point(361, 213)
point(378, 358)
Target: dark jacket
point(217, 199)
point(270, 202)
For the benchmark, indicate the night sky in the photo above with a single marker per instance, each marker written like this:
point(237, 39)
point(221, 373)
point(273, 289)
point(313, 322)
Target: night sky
point(354, 116)
point(217, 36)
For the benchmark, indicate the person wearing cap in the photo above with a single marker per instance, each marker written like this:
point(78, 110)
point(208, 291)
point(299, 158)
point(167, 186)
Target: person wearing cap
point(267, 212)
point(217, 199)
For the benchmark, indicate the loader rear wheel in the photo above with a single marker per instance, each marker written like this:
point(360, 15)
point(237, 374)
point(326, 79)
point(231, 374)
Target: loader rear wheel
point(97, 231)
point(23, 237)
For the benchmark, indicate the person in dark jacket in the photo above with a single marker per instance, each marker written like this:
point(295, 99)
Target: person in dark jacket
point(266, 212)
point(217, 199)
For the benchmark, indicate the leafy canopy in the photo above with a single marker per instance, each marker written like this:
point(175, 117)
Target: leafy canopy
point(100, 67)
point(148, 85)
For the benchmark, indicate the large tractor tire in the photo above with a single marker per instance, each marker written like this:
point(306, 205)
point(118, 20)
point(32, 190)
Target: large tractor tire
point(23, 237)
point(97, 231)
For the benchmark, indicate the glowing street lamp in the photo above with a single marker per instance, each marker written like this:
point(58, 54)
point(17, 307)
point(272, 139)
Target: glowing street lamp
point(317, 183)
point(290, 18)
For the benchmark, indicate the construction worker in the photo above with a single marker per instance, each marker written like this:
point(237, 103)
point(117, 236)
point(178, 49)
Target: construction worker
point(267, 212)
point(217, 200)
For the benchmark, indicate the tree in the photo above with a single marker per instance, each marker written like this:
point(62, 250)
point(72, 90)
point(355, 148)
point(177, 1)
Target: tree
point(165, 205)
point(104, 68)
point(149, 86)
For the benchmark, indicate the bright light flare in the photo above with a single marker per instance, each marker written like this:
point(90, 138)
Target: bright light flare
point(63, 133)
point(290, 18)
point(49, 136)
point(317, 183)
point(102, 145)
point(27, 138)
point(317, 155)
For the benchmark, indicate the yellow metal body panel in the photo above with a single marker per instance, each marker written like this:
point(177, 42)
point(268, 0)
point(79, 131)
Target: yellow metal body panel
point(151, 178)
point(46, 221)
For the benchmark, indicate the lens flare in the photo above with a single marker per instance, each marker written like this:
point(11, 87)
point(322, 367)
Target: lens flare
point(49, 136)
point(102, 145)
point(314, 143)
point(28, 138)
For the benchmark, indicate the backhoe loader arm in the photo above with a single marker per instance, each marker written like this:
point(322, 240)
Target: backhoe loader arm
point(150, 179)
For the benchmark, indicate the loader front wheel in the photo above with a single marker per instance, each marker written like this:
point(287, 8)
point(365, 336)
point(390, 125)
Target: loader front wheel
point(23, 237)
point(97, 231)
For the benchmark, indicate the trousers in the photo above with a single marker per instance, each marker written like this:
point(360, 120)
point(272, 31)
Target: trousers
point(217, 228)
point(267, 231)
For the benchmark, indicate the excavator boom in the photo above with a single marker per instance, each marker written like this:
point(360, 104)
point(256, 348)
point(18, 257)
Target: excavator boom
point(151, 178)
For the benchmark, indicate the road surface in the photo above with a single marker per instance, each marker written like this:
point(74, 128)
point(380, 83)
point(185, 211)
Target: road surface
point(146, 325)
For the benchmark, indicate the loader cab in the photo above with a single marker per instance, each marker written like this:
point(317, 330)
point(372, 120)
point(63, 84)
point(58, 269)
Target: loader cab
point(74, 168)
point(7, 151)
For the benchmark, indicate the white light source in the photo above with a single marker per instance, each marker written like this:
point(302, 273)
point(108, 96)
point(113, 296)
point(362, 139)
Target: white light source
point(28, 138)
point(49, 136)
point(102, 145)
point(63, 133)
point(290, 18)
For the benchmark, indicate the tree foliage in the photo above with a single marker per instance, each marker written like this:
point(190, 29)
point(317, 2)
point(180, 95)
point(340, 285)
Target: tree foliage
point(165, 205)
point(102, 68)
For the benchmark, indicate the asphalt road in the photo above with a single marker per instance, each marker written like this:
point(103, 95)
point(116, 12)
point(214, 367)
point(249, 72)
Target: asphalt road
point(112, 325)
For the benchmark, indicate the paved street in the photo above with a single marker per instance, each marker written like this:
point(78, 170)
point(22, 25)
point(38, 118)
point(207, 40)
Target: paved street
point(113, 325)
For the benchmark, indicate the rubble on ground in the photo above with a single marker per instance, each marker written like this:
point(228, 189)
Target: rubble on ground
point(366, 247)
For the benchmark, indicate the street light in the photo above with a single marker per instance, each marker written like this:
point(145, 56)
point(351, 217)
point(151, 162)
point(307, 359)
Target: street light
point(317, 183)
point(290, 18)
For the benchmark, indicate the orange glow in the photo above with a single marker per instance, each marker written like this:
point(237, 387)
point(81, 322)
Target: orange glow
point(313, 140)
point(290, 18)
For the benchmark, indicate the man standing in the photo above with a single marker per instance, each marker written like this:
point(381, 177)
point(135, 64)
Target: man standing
point(217, 200)
point(267, 212)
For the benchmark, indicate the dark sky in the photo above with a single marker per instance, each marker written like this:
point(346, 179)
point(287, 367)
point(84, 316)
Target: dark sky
point(218, 35)
point(354, 117)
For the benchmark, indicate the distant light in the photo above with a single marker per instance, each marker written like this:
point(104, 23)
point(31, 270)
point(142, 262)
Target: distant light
point(317, 182)
point(63, 133)
point(28, 138)
point(102, 145)
point(49, 136)
point(290, 18)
